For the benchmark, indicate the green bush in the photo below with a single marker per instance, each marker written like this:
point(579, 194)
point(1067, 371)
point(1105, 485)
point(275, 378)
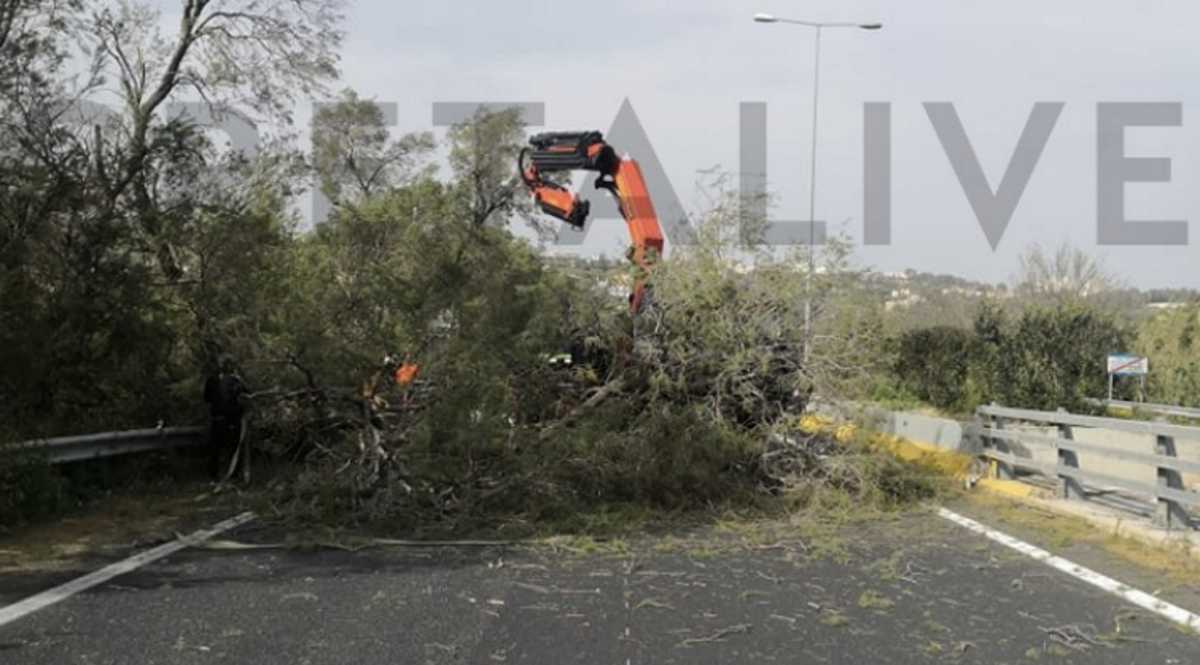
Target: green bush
point(1046, 358)
point(1052, 358)
point(932, 363)
point(1171, 340)
point(888, 391)
point(32, 489)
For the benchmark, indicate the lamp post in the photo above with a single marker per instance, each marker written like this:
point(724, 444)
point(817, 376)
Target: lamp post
point(812, 187)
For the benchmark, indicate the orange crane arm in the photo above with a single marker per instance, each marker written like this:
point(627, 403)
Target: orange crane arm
point(567, 151)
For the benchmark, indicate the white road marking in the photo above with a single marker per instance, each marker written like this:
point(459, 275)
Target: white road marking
point(1139, 598)
point(64, 591)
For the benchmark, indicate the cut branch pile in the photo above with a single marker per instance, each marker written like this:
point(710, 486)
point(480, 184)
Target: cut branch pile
point(698, 407)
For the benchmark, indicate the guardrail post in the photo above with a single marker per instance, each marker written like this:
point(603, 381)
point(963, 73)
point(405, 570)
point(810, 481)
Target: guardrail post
point(1169, 514)
point(1001, 470)
point(1068, 487)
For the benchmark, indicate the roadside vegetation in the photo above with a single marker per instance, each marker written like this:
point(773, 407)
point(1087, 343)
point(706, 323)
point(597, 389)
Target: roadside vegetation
point(1040, 344)
point(1041, 357)
point(136, 249)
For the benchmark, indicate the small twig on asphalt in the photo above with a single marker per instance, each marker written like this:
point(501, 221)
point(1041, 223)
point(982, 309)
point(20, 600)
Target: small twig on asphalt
point(781, 545)
point(345, 548)
point(718, 636)
point(650, 602)
point(536, 588)
point(1118, 621)
point(1032, 617)
point(236, 545)
point(909, 571)
point(769, 578)
point(580, 592)
point(1132, 638)
point(1073, 636)
point(391, 542)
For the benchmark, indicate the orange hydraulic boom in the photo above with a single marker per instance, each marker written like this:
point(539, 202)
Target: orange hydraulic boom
point(587, 151)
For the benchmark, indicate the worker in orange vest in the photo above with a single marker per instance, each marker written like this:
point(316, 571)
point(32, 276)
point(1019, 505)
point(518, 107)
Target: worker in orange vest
point(406, 373)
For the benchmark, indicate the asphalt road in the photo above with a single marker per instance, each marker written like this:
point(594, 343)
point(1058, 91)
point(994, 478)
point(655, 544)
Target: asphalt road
point(915, 590)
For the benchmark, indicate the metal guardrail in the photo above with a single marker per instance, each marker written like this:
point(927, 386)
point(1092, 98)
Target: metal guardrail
point(1009, 447)
point(1160, 409)
point(108, 444)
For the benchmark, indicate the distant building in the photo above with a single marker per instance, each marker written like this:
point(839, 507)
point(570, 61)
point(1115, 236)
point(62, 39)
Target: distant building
point(1166, 305)
point(902, 299)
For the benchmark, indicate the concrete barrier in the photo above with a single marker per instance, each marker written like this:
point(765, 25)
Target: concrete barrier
point(941, 432)
point(944, 433)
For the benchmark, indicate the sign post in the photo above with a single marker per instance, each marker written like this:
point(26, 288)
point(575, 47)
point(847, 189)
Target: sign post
point(1124, 364)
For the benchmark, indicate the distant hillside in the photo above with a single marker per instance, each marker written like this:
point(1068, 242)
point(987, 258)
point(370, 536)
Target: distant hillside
point(917, 299)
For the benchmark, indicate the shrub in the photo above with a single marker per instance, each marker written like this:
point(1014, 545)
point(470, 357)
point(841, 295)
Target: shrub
point(32, 489)
point(1054, 358)
point(1045, 358)
point(933, 363)
point(1172, 342)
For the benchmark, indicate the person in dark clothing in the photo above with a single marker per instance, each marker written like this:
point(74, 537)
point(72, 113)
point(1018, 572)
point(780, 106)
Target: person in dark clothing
point(223, 390)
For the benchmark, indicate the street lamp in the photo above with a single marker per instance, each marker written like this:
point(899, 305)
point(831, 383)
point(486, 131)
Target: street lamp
point(812, 192)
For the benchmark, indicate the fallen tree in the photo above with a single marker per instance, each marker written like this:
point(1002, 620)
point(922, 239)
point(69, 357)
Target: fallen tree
point(698, 408)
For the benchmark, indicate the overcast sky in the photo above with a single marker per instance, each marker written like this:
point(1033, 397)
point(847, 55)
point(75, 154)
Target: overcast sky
point(685, 66)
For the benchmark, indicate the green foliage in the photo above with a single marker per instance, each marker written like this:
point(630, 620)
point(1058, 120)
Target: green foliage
point(676, 418)
point(1172, 342)
point(890, 392)
point(353, 154)
point(932, 364)
point(130, 265)
point(667, 457)
point(726, 324)
point(81, 329)
point(94, 336)
point(32, 47)
point(32, 489)
point(727, 341)
point(1045, 358)
point(1053, 358)
point(482, 157)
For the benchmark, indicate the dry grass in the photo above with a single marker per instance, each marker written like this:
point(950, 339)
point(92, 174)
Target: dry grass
point(873, 600)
